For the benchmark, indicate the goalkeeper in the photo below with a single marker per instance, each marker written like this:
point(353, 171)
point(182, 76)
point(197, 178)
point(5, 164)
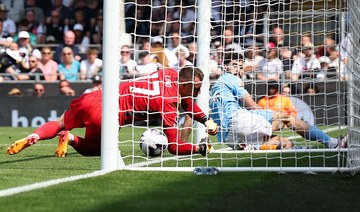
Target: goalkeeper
point(152, 97)
point(243, 121)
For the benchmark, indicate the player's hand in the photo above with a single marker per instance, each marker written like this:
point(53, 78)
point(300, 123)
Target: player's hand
point(205, 146)
point(211, 127)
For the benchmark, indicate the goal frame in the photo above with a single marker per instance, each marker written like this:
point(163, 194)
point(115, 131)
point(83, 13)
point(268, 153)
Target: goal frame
point(110, 154)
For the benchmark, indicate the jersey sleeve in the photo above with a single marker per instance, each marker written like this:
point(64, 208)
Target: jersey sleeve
point(191, 107)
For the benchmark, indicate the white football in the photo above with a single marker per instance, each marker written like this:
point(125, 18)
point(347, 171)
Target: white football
point(153, 142)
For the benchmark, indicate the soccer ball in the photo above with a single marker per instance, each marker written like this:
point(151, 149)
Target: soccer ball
point(153, 142)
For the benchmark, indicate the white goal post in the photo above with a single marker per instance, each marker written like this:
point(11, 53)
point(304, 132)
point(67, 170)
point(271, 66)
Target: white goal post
point(330, 28)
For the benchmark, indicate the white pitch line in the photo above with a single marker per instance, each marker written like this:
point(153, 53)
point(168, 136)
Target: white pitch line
point(156, 160)
point(21, 189)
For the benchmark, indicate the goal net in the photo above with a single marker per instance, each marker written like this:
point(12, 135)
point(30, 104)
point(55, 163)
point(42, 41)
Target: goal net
point(309, 48)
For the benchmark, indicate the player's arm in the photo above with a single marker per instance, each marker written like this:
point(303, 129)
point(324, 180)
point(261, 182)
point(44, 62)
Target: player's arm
point(250, 104)
point(191, 107)
point(176, 146)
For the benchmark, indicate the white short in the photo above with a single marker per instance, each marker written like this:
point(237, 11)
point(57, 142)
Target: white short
point(249, 128)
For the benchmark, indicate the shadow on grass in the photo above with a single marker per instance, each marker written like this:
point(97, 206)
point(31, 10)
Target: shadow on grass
point(30, 158)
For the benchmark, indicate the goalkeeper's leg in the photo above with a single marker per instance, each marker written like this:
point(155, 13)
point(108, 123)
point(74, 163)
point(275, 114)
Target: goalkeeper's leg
point(47, 131)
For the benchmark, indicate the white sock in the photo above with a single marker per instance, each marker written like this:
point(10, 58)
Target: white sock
point(71, 137)
point(34, 135)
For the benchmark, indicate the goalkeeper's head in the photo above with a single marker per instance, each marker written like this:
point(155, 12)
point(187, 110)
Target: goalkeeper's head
point(190, 81)
point(234, 63)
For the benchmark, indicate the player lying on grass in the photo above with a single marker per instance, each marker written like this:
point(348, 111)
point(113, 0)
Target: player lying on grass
point(242, 120)
point(156, 96)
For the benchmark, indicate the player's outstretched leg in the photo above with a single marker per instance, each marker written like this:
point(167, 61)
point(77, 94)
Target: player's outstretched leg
point(62, 147)
point(21, 144)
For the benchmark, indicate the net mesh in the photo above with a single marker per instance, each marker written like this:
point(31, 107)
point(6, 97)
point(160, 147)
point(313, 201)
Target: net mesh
point(165, 34)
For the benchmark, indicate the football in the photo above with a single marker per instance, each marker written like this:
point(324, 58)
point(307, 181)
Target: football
point(153, 142)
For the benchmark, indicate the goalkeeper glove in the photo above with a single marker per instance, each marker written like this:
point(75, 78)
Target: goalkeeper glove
point(211, 127)
point(205, 146)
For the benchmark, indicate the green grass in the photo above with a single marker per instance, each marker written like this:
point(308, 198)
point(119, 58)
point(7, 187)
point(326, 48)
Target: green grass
point(164, 191)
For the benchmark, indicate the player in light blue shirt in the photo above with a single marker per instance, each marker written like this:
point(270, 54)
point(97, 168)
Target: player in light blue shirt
point(243, 121)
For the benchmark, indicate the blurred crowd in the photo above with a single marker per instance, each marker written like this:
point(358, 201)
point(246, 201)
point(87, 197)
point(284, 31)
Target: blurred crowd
point(57, 40)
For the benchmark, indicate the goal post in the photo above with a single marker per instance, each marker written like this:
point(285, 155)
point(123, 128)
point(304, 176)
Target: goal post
point(205, 31)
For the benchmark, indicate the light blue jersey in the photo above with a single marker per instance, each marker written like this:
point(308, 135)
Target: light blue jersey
point(225, 101)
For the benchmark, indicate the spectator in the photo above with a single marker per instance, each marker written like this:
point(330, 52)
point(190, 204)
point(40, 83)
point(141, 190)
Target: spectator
point(48, 65)
point(31, 73)
point(286, 90)
point(306, 65)
point(127, 65)
point(81, 39)
point(91, 66)
point(334, 58)
point(39, 12)
point(11, 63)
point(252, 30)
point(65, 88)
point(39, 90)
point(25, 47)
point(16, 9)
point(252, 60)
point(147, 66)
point(182, 61)
point(97, 31)
point(158, 51)
point(311, 89)
point(35, 73)
point(187, 17)
point(4, 41)
point(88, 14)
point(306, 40)
point(324, 68)
point(138, 18)
point(9, 26)
point(24, 26)
point(325, 50)
point(175, 47)
point(69, 68)
point(192, 52)
point(38, 29)
point(286, 54)
point(55, 28)
point(79, 18)
point(146, 45)
point(271, 67)
point(65, 12)
point(97, 84)
point(277, 37)
point(15, 92)
point(229, 42)
point(69, 41)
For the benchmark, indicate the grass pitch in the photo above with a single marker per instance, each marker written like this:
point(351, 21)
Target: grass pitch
point(160, 191)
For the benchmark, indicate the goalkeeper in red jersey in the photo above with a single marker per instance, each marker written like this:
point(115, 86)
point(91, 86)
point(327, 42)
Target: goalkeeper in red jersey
point(156, 96)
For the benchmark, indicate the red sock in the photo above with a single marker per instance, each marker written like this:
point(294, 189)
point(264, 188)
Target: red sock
point(48, 130)
point(181, 148)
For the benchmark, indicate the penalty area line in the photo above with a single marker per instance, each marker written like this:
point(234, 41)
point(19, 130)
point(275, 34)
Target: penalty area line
point(45, 184)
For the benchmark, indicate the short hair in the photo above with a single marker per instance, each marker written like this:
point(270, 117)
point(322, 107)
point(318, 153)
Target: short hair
point(230, 56)
point(272, 84)
point(188, 74)
point(92, 50)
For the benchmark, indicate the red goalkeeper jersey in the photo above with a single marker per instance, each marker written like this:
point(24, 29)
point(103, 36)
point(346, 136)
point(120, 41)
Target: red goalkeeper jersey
point(156, 96)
